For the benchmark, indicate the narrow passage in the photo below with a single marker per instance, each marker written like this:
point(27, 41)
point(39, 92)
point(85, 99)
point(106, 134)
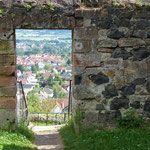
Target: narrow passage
point(47, 137)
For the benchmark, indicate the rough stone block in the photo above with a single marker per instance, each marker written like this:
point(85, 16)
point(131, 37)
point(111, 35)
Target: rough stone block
point(7, 115)
point(9, 91)
point(7, 60)
point(147, 105)
point(81, 92)
point(7, 47)
point(79, 22)
point(121, 53)
point(68, 22)
point(107, 43)
point(7, 34)
point(136, 105)
point(86, 60)
point(102, 34)
point(140, 34)
point(131, 42)
point(7, 81)
point(86, 13)
point(85, 33)
point(6, 22)
point(105, 50)
point(99, 78)
point(82, 46)
point(7, 103)
point(5, 3)
point(87, 22)
point(141, 53)
point(108, 116)
point(119, 102)
point(7, 70)
point(78, 70)
point(110, 91)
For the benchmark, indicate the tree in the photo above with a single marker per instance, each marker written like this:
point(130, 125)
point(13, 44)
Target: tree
point(47, 67)
point(58, 93)
point(58, 78)
point(50, 79)
point(34, 102)
point(48, 105)
point(68, 62)
point(34, 68)
point(36, 50)
point(21, 68)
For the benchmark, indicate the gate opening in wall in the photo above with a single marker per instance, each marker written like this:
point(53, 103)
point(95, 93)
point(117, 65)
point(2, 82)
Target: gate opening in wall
point(44, 75)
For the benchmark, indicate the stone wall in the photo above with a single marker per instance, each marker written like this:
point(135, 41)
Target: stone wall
point(111, 49)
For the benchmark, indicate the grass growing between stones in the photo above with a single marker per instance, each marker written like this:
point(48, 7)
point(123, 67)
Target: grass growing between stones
point(98, 138)
point(21, 139)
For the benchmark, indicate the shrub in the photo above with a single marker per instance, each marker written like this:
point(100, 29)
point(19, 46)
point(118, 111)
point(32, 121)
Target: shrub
point(131, 119)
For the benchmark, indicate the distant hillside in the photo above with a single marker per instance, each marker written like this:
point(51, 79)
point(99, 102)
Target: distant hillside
point(38, 35)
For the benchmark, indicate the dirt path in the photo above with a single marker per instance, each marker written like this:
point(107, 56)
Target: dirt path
point(47, 137)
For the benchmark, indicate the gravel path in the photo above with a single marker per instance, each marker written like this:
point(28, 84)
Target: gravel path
point(47, 137)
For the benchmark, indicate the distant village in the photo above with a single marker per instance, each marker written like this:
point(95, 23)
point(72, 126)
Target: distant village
point(53, 72)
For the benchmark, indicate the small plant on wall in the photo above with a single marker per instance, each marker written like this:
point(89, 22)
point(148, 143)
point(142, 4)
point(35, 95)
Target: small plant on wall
point(1, 12)
point(139, 4)
point(50, 6)
point(28, 7)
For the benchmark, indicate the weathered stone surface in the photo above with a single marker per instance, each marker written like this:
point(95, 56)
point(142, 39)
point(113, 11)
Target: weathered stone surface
point(121, 53)
point(7, 81)
point(92, 2)
point(7, 115)
point(7, 47)
point(148, 86)
point(142, 24)
point(7, 60)
point(7, 70)
point(91, 118)
point(78, 70)
point(7, 35)
point(80, 92)
point(86, 59)
point(104, 22)
point(115, 34)
point(140, 34)
point(110, 91)
point(131, 42)
point(83, 46)
point(108, 43)
point(85, 33)
point(7, 103)
point(120, 102)
point(100, 107)
point(86, 13)
point(77, 79)
point(99, 78)
point(135, 104)
point(139, 81)
point(105, 50)
point(108, 116)
point(140, 54)
point(9, 91)
point(128, 90)
point(147, 105)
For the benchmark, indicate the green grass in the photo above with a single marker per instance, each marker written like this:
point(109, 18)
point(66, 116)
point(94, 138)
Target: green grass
point(104, 139)
point(40, 123)
point(21, 139)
